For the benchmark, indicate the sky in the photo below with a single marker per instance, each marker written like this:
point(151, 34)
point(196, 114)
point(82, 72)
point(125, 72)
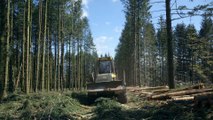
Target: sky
point(107, 19)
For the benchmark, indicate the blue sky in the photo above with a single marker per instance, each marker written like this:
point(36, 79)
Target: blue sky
point(106, 19)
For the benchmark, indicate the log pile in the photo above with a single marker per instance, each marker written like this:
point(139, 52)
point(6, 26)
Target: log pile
point(169, 95)
point(197, 93)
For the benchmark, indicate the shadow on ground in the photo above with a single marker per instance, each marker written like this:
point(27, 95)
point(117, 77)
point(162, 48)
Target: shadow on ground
point(84, 99)
point(110, 110)
point(81, 97)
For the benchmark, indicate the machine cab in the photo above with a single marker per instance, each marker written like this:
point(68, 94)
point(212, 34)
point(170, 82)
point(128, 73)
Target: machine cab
point(105, 70)
point(105, 66)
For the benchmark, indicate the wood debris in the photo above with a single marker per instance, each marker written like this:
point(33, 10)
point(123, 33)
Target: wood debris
point(195, 93)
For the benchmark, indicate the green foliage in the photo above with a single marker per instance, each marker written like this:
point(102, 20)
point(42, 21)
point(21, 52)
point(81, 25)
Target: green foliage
point(40, 106)
point(54, 26)
point(108, 109)
point(138, 33)
point(206, 48)
point(142, 53)
point(54, 105)
point(161, 37)
point(182, 52)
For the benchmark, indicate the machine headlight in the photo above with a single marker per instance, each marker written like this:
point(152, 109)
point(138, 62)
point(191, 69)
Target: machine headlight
point(113, 76)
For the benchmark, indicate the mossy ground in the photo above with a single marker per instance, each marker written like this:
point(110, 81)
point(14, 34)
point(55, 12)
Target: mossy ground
point(74, 105)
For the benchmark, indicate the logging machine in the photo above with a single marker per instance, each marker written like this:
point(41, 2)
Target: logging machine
point(105, 81)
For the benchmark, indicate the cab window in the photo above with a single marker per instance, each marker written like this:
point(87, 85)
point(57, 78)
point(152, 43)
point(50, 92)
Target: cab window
point(105, 67)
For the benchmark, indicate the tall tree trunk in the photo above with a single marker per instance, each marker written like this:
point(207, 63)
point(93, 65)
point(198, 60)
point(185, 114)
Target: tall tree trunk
point(79, 66)
point(73, 66)
point(48, 61)
point(169, 45)
point(83, 65)
point(73, 51)
point(27, 47)
point(18, 77)
point(69, 69)
point(55, 70)
point(38, 46)
point(30, 55)
point(144, 67)
point(11, 73)
point(62, 57)
point(7, 51)
point(44, 48)
point(18, 59)
point(138, 46)
point(1, 79)
point(135, 44)
point(59, 39)
point(23, 49)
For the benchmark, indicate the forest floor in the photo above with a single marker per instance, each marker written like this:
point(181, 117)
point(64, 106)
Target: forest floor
point(74, 105)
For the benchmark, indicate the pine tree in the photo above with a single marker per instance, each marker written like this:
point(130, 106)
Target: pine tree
point(193, 43)
point(30, 34)
point(205, 35)
point(162, 50)
point(181, 52)
point(133, 43)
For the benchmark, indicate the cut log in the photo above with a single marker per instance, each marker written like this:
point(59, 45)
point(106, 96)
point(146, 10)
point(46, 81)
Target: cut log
point(138, 89)
point(182, 98)
point(134, 89)
point(159, 88)
point(197, 86)
point(155, 88)
point(179, 93)
point(145, 93)
point(160, 91)
point(202, 94)
point(188, 92)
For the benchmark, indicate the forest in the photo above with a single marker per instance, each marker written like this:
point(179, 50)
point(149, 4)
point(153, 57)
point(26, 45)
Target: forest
point(45, 46)
point(48, 55)
point(150, 51)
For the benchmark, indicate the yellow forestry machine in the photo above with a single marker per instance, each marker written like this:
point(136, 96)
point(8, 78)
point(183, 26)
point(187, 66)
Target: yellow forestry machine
point(105, 82)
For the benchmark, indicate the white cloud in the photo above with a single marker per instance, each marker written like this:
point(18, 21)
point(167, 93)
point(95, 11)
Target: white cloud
point(85, 4)
point(114, 1)
point(85, 13)
point(102, 44)
point(103, 39)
